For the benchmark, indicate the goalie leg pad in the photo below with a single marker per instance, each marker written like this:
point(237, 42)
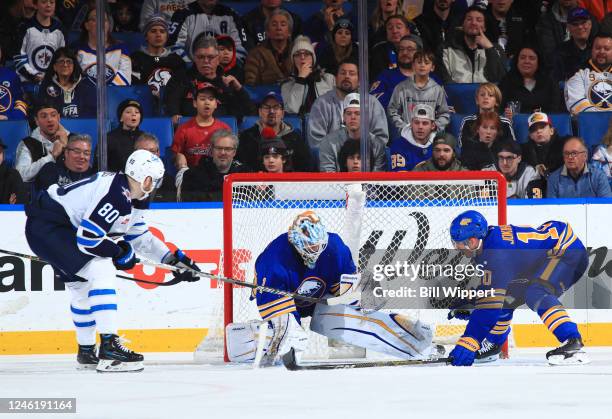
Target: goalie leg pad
point(241, 340)
point(286, 333)
point(391, 334)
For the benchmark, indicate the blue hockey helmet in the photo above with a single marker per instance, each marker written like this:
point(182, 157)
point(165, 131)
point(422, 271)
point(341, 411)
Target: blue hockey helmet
point(468, 224)
point(309, 237)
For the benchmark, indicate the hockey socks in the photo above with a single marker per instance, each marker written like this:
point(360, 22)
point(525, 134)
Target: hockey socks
point(559, 323)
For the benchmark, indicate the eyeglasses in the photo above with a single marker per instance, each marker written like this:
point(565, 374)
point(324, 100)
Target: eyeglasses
point(408, 49)
point(271, 108)
point(302, 54)
point(80, 152)
point(65, 61)
point(224, 149)
point(202, 57)
point(572, 154)
point(508, 159)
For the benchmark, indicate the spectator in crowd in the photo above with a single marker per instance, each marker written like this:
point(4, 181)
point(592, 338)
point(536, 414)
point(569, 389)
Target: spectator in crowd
point(388, 79)
point(45, 144)
point(351, 130)
point(29, 9)
point(166, 8)
point(273, 156)
point(125, 16)
point(166, 192)
point(416, 140)
point(154, 65)
point(443, 155)
point(72, 13)
point(544, 148)
point(602, 155)
point(270, 62)
point(308, 81)
point(384, 54)
point(384, 10)
point(528, 84)
point(40, 37)
point(72, 166)
point(227, 58)
point(576, 51)
point(326, 112)
point(192, 139)
point(65, 87)
point(11, 185)
point(488, 99)
point(11, 15)
point(508, 25)
point(349, 156)
point(589, 89)
point(255, 22)
point(606, 23)
point(234, 98)
point(321, 23)
point(206, 18)
point(469, 56)
point(12, 105)
point(120, 141)
point(118, 63)
point(341, 46)
point(522, 179)
point(420, 89)
point(576, 179)
point(204, 182)
point(436, 24)
point(477, 150)
point(269, 126)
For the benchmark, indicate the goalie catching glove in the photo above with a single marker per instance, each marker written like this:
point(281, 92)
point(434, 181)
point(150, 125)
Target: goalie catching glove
point(180, 260)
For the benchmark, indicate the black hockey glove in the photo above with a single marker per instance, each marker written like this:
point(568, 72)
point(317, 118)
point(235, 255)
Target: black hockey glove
point(180, 260)
point(461, 314)
point(126, 258)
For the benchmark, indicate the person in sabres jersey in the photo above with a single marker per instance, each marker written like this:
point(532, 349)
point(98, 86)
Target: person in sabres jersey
point(310, 261)
point(527, 265)
point(87, 230)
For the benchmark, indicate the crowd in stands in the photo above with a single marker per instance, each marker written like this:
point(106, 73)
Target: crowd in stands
point(290, 80)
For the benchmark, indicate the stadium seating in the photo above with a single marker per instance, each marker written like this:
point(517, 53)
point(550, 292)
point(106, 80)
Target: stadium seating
point(561, 121)
point(133, 40)
point(231, 121)
point(12, 132)
point(87, 126)
point(257, 93)
point(462, 97)
point(592, 126)
point(304, 9)
point(117, 94)
point(162, 128)
point(454, 126)
point(295, 122)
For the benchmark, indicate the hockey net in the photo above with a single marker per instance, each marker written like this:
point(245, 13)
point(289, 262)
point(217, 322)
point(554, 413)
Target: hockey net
point(401, 211)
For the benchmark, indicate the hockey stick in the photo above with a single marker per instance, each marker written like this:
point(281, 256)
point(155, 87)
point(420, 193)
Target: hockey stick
point(290, 362)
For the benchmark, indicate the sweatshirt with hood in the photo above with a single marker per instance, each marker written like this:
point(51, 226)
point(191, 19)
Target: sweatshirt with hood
point(406, 152)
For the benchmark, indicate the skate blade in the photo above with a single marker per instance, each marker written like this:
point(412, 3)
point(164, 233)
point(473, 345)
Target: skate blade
point(111, 365)
point(86, 367)
point(487, 359)
point(579, 358)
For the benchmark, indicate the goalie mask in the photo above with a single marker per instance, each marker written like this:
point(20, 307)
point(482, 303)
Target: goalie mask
point(309, 237)
point(142, 164)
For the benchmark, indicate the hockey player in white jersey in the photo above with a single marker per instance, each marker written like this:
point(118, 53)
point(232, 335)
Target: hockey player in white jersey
point(87, 230)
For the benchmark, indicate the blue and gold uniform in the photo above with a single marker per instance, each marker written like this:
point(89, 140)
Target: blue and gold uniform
point(280, 266)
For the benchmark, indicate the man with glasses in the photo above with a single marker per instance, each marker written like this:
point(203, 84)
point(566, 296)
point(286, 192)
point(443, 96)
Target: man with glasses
point(233, 98)
point(576, 51)
point(270, 126)
point(520, 176)
point(75, 164)
point(204, 182)
point(576, 179)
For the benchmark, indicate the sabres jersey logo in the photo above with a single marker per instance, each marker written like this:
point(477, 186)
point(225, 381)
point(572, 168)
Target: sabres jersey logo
point(6, 99)
point(310, 287)
point(600, 94)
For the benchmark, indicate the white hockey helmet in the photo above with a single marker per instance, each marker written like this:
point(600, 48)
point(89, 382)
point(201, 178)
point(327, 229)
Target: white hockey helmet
point(142, 164)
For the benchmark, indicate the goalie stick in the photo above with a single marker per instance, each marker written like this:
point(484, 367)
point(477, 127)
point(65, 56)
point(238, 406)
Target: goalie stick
point(290, 362)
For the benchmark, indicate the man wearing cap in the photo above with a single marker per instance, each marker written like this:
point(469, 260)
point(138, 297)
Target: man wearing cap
point(254, 22)
point(11, 185)
point(443, 156)
point(326, 112)
point(576, 51)
point(351, 130)
point(154, 65)
point(435, 23)
point(577, 179)
point(416, 140)
point(273, 156)
point(120, 141)
point(270, 126)
point(522, 179)
point(192, 139)
point(590, 89)
point(544, 149)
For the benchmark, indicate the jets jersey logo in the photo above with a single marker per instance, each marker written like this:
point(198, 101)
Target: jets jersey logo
point(126, 193)
point(6, 99)
point(310, 287)
point(600, 94)
point(42, 57)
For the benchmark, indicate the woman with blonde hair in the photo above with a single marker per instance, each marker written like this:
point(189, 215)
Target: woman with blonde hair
point(602, 154)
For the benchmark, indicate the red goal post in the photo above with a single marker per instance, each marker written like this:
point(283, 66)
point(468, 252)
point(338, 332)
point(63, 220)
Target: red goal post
point(482, 188)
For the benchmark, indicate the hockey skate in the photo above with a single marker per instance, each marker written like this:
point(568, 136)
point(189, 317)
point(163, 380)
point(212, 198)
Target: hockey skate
point(114, 357)
point(570, 353)
point(86, 357)
point(488, 352)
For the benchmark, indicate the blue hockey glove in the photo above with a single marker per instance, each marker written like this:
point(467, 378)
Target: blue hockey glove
point(126, 258)
point(464, 352)
point(180, 260)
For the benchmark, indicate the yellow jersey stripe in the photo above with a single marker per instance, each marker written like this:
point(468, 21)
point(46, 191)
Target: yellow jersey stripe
point(271, 303)
point(280, 306)
point(558, 323)
point(280, 313)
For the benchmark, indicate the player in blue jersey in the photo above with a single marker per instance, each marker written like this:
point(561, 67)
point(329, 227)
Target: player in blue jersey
point(547, 260)
point(310, 261)
point(87, 230)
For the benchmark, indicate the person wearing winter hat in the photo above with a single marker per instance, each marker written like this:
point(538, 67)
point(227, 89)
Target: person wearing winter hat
point(273, 155)
point(307, 81)
point(443, 155)
point(227, 58)
point(337, 47)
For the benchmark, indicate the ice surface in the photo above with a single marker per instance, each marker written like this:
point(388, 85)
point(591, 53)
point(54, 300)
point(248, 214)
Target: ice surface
point(173, 387)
